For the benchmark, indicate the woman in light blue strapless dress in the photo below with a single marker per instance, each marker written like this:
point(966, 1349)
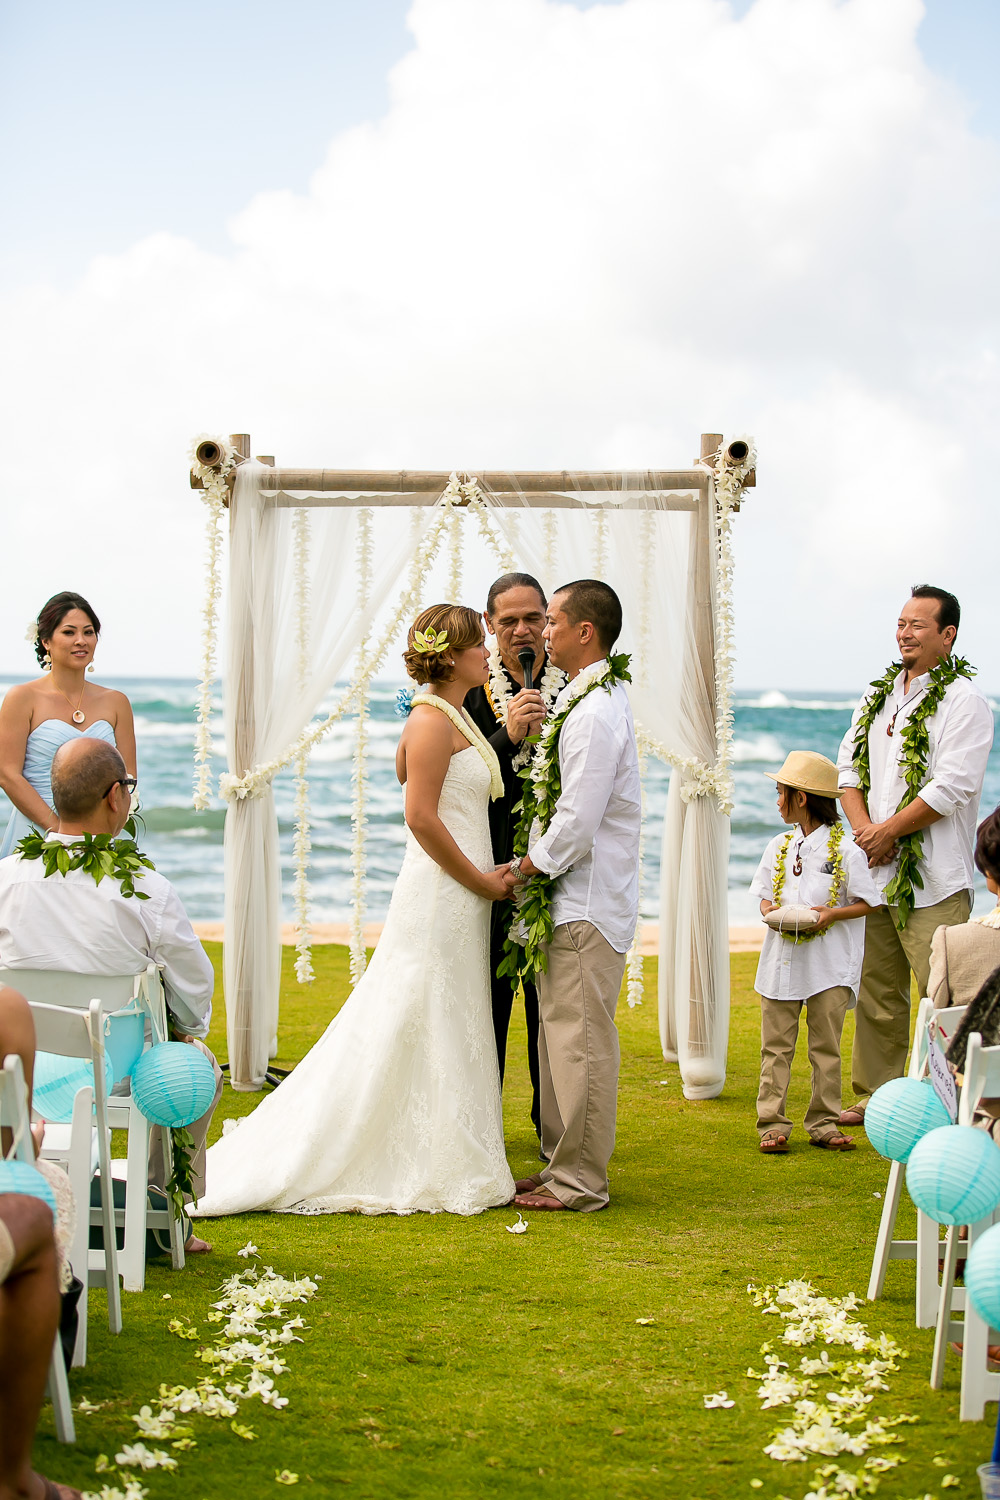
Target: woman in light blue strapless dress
point(37, 717)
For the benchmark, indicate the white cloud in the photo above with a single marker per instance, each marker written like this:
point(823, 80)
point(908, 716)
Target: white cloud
point(576, 238)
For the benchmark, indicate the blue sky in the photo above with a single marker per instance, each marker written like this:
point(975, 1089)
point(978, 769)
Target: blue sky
point(508, 232)
point(119, 119)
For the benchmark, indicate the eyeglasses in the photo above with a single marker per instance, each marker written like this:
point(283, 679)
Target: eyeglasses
point(128, 782)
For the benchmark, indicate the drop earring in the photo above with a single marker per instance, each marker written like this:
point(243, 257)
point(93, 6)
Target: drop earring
point(46, 663)
point(91, 667)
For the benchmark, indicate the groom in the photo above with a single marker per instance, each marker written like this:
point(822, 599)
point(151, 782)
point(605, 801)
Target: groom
point(590, 849)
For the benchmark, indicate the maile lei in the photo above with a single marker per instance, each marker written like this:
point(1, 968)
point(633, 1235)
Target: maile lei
point(542, 783)
point(120, 859)
point(915, 748)
point(499, 694)
point(837, 879)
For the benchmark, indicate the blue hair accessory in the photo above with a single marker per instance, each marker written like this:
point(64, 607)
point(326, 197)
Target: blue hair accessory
point(404, 701)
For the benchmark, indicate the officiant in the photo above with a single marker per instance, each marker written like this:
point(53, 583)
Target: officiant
point(512, 706)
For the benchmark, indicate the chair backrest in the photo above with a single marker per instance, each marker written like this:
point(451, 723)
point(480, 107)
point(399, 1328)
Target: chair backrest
point(74, 1033)
point(982, 1077)
point(14, 1110)
point(127, 1000)
point(946, 1022)
point(918, 1054)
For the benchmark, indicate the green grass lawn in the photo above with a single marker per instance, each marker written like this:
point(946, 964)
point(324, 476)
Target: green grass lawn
point(445, 1356)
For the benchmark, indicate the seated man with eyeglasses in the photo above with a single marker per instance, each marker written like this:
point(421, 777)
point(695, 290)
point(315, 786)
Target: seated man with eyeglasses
point(74, 922)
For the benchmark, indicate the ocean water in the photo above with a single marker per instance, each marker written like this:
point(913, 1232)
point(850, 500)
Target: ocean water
point(187, 846)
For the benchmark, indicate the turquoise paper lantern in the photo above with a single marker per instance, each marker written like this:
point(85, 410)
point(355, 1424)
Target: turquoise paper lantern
point(982, 1276)
point(900, 1113)
point(57, 1081)
point(22, 1177)
point(953, 1175)
point(173, 1083)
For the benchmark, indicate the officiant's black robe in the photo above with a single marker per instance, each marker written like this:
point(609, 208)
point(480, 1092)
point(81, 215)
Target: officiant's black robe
point(502, 827)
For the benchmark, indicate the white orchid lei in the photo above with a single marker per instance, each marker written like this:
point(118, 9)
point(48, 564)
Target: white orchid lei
point(829, 1427)
point(246, 1355)
point(215, 494)
point(499, 691)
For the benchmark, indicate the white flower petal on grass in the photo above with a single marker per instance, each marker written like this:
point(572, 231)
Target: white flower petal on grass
point(138, 1456)
point(716, 1399)
point(521, 1227)
point(248, 1249)
point(84, 1405)
point(950, 1482)
point(645, 1322)
point(284, 1476)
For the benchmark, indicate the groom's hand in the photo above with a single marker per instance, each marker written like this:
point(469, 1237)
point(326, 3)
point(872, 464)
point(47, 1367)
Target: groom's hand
point(525, 714)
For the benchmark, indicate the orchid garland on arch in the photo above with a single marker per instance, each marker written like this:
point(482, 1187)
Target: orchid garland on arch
point(215, 493)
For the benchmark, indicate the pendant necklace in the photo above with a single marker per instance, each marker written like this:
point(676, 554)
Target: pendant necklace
point(797, 863)
point(79, 717)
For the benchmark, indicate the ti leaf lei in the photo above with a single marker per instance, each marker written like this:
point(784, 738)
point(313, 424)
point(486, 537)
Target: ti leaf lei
point(834, 840)
point(97, 853)
point(120, 859)
point(542, 782)
point(915, 741)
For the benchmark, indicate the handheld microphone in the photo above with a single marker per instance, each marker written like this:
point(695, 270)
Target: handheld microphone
point(527, 659)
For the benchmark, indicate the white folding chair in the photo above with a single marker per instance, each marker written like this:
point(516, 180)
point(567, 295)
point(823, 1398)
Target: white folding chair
point(925, 1249)
point(14, 1115)
point(75, 1033)
point(979, 1385)
point(127, 1000)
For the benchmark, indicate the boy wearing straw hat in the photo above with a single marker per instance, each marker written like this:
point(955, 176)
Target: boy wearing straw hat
point(812, 888)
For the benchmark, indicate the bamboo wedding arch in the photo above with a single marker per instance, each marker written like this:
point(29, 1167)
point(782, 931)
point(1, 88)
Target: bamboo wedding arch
point(327, 566)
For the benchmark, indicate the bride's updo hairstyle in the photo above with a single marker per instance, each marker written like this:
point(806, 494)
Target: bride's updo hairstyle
point(462, 627)
point(52, 614)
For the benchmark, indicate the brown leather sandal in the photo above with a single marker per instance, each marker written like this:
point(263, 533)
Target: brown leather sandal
point(774, 1142)
point(834, 1142)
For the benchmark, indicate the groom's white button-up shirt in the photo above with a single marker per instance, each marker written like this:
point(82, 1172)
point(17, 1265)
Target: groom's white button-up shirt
point(592, 843)
point(960, 736)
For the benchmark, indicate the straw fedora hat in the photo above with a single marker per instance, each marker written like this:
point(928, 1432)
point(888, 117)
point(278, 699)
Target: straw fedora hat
point(808, 772)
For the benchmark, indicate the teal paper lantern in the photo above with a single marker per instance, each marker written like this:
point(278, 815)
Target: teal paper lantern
point(900, 1113)
point(22, 1177)
point(982, 1276)
point(953, 1175)
point(173, 1083)
point(57, 1081)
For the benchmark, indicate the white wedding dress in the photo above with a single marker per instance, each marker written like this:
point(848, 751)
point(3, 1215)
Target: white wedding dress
point(396, 1109)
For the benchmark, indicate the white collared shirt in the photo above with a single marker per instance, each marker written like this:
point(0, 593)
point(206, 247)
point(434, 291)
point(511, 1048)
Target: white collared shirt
point(592, 843)
point(70, 922)
point(794, 971)
point(960, 733)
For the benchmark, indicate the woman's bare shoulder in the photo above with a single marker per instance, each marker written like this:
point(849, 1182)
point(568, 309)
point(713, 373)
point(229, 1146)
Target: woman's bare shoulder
point(20, 698)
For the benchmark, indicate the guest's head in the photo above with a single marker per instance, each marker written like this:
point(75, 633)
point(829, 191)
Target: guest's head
point(583, 621)
point(927, 627)
point(515, 614)
point(462, 656)
point(67, 631)
point(988, 850)
point(91, 790)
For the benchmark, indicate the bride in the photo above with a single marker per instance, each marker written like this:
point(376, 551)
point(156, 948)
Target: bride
point(396, 1109)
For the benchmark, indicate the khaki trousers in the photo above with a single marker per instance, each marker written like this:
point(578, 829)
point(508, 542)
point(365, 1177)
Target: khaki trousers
point(779, 1029)
point(199, 1133)
point(578, 1061)
point(882, 1022)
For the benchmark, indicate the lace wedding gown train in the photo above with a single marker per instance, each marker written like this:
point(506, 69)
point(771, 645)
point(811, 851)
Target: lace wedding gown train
point(396, 1109)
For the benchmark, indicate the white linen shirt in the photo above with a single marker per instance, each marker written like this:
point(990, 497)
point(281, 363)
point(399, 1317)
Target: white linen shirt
point(794, 971)
point(70, 922)
point(591, 847)
point(960, 733)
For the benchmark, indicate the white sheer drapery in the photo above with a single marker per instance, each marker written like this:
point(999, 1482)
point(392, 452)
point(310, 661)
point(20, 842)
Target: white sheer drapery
point(269, 702)
point(663, 562)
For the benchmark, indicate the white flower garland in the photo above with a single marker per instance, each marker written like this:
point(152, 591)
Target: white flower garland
point(549, 538)
point(302, 839)
point(647, 549)
point(499, 690)
point(359, 766)
point(600, 542)
point(214, 494)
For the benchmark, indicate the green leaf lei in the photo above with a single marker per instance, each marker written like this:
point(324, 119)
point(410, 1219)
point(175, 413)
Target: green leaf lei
point(97, 853)
point(915, 740)
point(834, 841)
point(101, 855)
point(542, 782)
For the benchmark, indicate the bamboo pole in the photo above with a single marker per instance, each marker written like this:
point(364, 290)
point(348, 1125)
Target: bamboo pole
point(281, 500)
point(432, 482)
